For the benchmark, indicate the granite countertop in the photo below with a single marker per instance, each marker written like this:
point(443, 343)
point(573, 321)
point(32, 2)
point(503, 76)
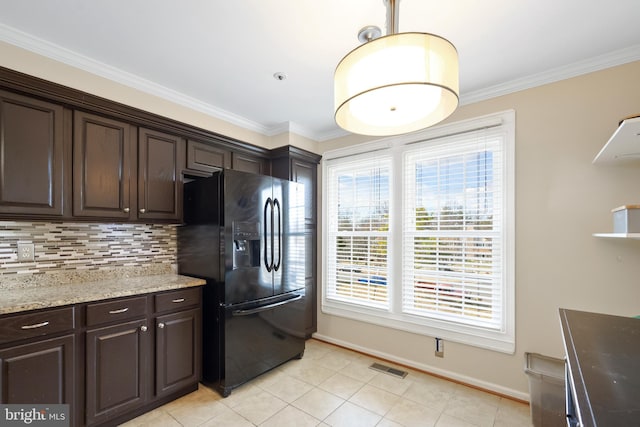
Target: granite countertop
point(51, 293)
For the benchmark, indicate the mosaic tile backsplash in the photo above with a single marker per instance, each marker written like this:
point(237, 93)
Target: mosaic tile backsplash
point(70, 247)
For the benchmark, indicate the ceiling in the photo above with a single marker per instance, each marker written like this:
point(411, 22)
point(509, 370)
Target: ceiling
point(219, 57)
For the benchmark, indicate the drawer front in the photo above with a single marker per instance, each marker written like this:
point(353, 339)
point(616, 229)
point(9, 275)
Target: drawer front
point(117, 310)
point(176, 300)
point(34, 324)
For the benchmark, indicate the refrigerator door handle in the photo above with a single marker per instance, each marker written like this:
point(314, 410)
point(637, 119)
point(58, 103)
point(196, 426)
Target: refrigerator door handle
point(268, 264)
point(276, 204)
point(265, 307)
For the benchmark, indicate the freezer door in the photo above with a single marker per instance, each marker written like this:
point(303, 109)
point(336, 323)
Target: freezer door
point(247, 246)
point(289, 235)
point(259, 336)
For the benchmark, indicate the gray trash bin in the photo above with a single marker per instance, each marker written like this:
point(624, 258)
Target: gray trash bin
point(546, 390)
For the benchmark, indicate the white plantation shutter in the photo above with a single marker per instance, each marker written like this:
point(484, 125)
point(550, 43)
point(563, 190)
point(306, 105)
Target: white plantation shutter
point(358, 230)
point(418, 232)
point(453, 229)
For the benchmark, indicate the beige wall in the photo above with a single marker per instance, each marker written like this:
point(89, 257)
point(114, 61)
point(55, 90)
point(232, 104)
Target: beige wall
point(561, 199)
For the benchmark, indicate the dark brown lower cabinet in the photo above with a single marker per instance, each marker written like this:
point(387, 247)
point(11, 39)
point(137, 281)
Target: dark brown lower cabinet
point(141, 352)
point(117, 370)
point(38, 373)
point(177, 351)
point(110, 360)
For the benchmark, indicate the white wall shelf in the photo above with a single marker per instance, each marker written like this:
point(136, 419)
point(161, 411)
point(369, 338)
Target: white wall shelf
point(624, 144)
point(618, 235)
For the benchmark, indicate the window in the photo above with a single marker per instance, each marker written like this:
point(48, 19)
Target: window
point(418, 232)
point(359, 231)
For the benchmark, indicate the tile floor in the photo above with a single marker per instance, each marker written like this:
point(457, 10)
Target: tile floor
point(331, 386)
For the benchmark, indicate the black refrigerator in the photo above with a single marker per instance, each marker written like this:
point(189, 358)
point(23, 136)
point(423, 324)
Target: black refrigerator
point(244, 234)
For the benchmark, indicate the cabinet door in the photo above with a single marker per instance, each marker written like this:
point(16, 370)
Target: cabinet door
point(161, 161)
point(32, 147)
point(103, 161)
point(178, 340)
point(38, 373)
point(117, 370)
point(305, 173)
point(207, 158)
point(248, 163)
point(310, 280)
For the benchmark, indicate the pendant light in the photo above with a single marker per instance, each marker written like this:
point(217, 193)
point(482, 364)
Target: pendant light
point(395, 84)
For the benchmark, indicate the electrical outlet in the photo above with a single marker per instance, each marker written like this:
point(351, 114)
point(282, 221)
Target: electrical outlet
point(26, 251)
point(439, 347)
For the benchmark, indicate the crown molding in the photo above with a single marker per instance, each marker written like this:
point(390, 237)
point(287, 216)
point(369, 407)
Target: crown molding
point(336, 133)
point(612, 59)
point(58, 53)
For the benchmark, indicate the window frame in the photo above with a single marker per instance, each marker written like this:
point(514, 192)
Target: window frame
point(502, 340)
point(366, 162)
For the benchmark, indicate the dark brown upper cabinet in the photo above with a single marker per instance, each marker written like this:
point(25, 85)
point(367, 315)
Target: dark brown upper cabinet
point(33, 143)
point(207, 158)
point(160, 165)
point(306, 173)
point(104, 160)
point(125, 173)
point(300, 166)
point(68, 154)
point(248, 163)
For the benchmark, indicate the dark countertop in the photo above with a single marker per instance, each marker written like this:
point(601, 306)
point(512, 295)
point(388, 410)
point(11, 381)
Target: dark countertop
point(603, 356)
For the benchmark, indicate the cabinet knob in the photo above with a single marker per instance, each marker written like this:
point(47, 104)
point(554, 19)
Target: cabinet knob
point(143, 328)
point(126, 210)
point(143, 210)
point(161, 325)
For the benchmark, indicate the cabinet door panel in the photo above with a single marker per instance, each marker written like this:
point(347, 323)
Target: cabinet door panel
point(161, 160)
point(117, 366)
point(247, 163)
point(32, 147)
point(310, 280)
point(38, 373)
point(102, 164)
point(207, 158)
point(178, 339)
point(305, 173)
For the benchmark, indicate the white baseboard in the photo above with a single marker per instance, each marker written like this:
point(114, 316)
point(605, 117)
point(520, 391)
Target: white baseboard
point(491, 387)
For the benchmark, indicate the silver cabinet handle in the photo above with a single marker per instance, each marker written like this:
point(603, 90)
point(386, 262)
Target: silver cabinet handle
point(34, 326)
point(126, 210)
point(143, 328)
point(121, 310)
point(177, 300)
point(161, 325)
point(143, 210)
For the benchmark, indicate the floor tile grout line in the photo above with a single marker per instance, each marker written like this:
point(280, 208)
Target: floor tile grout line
point(335, 363)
